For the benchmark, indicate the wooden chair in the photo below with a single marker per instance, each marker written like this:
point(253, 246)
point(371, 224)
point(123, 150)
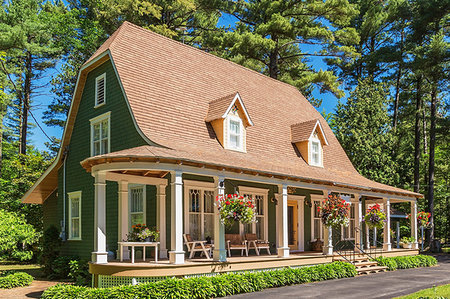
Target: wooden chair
point(254, 243)
point(235, 242)
point(197, 246)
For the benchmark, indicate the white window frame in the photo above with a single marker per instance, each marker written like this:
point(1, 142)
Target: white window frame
point(315, 139)
point(71, 196)
point(237, 119)
point(319, 198)
point(96, 120)
point(102, 76)
point(253, 192)
point(202, 187)
point(348, 235)
point(144, 203)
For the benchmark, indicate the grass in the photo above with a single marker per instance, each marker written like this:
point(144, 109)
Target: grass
point(446, 250)
point(440, 292)
point(32, 269)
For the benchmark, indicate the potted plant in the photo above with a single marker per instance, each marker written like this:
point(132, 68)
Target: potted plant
point(374, 217)
point(141, 233)
point(235, 208)
point(334, 211)
point(407, 242)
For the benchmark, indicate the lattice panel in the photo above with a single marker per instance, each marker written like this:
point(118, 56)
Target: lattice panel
point(106, 281)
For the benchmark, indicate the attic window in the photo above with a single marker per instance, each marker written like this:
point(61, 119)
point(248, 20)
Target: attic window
point(316, 157)
point(235, 133)
point(100, 87)
point(309, 138)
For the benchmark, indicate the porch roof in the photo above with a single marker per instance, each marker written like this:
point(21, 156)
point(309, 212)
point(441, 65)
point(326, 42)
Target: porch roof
point(247, 163)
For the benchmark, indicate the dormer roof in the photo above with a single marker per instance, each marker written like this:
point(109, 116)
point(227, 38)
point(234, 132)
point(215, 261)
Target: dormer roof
point(303, 131)
point(220, 108)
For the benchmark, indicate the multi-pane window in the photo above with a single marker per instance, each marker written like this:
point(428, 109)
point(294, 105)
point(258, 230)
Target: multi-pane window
point(259, 227)
point(137, 205)
point(317, 221)
point(315, 153)
point(349, 231)
point(75, 216)
point(100, 135)
point(100, 89)
point(201, 213)
point(235, 134)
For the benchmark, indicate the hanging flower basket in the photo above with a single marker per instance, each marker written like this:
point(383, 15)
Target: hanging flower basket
point(423, 218)
point(335, 211)
point(235, 208)
point(374, 217)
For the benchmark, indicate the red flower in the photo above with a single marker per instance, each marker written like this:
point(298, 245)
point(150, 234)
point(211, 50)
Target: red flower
point(241, 203)
point(227, 202)
point(229, 196)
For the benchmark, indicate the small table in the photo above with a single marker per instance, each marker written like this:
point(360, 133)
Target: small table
point(138, 244)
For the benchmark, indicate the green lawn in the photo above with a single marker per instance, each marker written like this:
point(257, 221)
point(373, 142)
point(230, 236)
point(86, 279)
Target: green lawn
point(440, 292)
point(32, 269)
point(446, 250)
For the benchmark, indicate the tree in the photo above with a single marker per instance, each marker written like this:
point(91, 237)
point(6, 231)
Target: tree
point(363, 127)
point(273, 37)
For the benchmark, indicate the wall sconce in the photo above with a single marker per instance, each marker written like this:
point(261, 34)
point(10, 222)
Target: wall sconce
point(274, 200)
point(308, 203)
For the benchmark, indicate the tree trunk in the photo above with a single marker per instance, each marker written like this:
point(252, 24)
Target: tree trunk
point(431, 164)
point(26, 104)
point(397, 84)
point(273, 61)
point(417, 135)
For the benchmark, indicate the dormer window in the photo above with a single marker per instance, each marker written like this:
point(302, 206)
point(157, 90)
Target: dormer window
point(230, 120)
point(309, 138)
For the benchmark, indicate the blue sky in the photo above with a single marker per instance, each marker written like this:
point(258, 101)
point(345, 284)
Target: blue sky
point(45, 97)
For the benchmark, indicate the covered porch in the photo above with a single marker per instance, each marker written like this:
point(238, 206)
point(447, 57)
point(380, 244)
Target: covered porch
point(279, 205)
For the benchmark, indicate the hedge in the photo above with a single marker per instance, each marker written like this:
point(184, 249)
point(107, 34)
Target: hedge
point(14, 280)
point(406, 262)
point(209, 286)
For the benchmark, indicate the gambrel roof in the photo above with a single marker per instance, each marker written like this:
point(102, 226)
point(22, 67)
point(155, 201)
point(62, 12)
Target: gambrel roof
point(169, 87)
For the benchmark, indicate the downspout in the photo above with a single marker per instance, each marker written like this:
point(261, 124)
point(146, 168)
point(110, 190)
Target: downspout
point(63, 223)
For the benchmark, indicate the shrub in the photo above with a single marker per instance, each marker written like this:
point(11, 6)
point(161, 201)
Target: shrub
point(209, 287)
point(406, 262)
point(60, 267)
point(16, 236)
point(51, 244)
point(14, 280)
point(79, 272)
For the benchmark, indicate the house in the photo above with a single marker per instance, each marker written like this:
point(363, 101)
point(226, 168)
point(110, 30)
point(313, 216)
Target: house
point(157, 129)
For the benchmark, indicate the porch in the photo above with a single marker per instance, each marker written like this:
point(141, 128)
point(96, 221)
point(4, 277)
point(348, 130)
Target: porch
point(123, 272)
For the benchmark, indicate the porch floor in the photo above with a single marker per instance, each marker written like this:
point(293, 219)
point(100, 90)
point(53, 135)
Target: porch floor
point(199, 266)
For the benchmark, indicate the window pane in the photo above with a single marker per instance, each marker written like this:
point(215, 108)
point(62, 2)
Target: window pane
point(105, 128)
point(316, 207)
point(260, 228)
point(75, 228)
point(235, 127)
point(315, 147)
point(194, 200)
point(104, 149)
point(96, 129)
point(137, 218)
point(209, 225)
point(234, 141)
point(137, 200)
point(208, 201)
point(316, 228)
point(194, 226)
point(75, 207)
point(352, 228)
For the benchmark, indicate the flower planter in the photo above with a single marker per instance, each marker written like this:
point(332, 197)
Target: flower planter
point(317, 245)
point(407, 245)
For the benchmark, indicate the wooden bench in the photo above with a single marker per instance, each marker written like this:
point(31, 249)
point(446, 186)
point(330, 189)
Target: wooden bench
point(254, 243)
point(235, 242)
point(197, 246)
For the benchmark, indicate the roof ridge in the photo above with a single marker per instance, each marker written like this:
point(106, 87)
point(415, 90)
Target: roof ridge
point(212, 55)
point(306, 121)
point(224, 97)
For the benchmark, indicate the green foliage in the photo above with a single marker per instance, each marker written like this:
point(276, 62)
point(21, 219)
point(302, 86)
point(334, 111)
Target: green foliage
point(51, 244)
point(406, 262)
point(60, 267)
point(209, 287)
point(79, 272)
point(362, 126)
point(16, 237)
point(14, 280)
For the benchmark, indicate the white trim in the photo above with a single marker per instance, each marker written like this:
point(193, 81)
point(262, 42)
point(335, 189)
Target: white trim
point(312, 140)
point(198, 184)
point(237, 97)
point(257, 192)
point(300, 220)
point(321, 236)
point(98, 119)
point(242, 132)
point(348, 235)
point(321, 131)
point(72, 195)
point(144, 203)
point(102, 76)
point(135, 179)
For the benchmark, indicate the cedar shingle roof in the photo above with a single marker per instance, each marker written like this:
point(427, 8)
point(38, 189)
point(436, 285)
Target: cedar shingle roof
point(218, 107)
point(302, 131)
point(170, 85)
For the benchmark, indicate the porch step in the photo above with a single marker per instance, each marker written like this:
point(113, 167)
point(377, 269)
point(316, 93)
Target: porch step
point(356, 259)
point(365, 264)
point(372, 269)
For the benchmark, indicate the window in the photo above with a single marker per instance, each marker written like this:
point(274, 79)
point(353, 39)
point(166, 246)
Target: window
point(100, 132)
point(199, 222)
point(349, 232)
point(317, 229)
point(100, 88)
point(137, 205)
point(315, 153)
point(235, 133)
point(75, 215)
point(259, 198)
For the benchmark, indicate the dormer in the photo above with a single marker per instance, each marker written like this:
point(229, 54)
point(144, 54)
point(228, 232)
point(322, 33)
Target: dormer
point(309, 138)
point(230, 120)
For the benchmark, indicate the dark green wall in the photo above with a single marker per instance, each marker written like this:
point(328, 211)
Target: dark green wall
point(50, 213)
point(123, 135)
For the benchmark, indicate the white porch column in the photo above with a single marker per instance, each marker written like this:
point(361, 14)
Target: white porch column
point(327, 234)
point(176, 255)
point(358, 218)
point(220, 253)
point(283, 249)
point(161, 219)
point(100, 256)
point(123, 216)
point(414, 224)
point(387, 246)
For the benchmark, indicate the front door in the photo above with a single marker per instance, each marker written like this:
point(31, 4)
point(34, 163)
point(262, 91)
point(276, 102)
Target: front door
point(293, 224)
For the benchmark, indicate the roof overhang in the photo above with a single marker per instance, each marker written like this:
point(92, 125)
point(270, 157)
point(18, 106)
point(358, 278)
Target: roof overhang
point(237, 98)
